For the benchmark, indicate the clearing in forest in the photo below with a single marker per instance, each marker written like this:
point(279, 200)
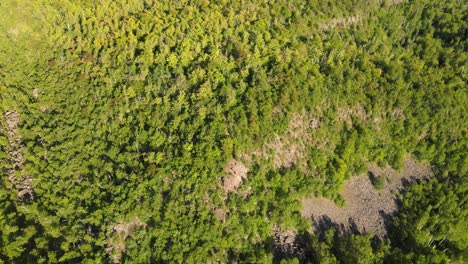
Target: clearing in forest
point(22, 183)
point(366, 207)
point(348, 21)
point(340, 22)
point(236, 172)
point(289, 148)
point(117, 235)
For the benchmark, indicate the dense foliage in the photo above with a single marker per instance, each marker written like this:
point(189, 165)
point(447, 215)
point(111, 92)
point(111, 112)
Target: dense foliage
point(129, 110)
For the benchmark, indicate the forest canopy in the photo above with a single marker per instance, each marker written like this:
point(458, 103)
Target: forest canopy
point(141, 131)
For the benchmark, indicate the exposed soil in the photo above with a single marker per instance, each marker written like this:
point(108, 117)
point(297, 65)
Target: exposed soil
point(20, 182)
point(117, 235)
point(345, 22)
point(236, 172)
point(366, 209)
point(284, 241)
point(287, 244)
point(288, 149)
point(221, 214)
point(394, 2)
point(346, 114)
point(340, 22)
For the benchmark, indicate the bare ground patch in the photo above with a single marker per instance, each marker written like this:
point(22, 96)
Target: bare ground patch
point(117, 235)
point(289, 148)
point(345, 114)
point(20, 182)
point(289, 243)
point(221, 214)
point(236, 172)
point(340, 22)
point(348, 21)
point(366, 208)
point(284, 241)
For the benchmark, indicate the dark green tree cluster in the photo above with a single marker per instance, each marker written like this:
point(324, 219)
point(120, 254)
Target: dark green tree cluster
point(130, 109)
point(431, 225)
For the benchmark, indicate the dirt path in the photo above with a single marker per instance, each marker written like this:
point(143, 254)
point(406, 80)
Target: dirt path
point(366, 208)
point(21, 183)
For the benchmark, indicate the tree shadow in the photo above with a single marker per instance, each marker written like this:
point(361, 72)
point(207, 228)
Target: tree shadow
point(324, 222)
point(299, 248)
point(372, 177)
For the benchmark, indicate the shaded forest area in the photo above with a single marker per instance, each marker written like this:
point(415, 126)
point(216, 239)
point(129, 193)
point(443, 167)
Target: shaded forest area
point(143, 131)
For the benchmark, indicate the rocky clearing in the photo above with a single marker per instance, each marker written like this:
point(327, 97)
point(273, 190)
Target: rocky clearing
point(366, 208)
point(22, 183)
point(236, 173)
